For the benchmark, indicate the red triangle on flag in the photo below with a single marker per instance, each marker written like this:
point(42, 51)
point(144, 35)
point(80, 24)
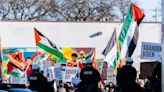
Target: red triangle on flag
point(37, 37)
point(137, 13)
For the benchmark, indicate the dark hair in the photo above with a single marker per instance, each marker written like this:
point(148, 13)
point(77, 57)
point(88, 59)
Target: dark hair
point(74, 54)
point(28, 58)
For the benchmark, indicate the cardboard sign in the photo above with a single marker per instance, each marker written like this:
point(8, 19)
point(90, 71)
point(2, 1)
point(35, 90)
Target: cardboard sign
point(47, 68)
point(110, 74)
point(70, 72)
point(99, 65)
point(151, 51)
point(104, 71)
point(57, 71)
point(76, 81)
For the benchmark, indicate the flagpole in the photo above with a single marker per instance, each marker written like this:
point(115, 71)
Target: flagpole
point(118, 47)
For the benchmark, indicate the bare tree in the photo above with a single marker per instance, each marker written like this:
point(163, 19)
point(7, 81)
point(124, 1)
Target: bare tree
point(122, 6)
point(57, 10)
point(23, 9)
point(84, 10)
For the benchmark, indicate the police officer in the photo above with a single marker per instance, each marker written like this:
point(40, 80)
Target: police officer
point(126, 78)
point(37, 81)
point(90, 78)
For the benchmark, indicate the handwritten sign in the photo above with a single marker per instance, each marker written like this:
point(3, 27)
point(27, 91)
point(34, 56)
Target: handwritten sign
point(57, 71)
point(70, 72)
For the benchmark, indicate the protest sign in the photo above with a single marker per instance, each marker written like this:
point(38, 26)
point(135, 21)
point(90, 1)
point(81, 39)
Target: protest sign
point(70, 72)
point(104, 71)
point(63, 67)
point(76, 81)
point(57, 71)
point(99, 65)
point(110, 74)
point(151, 51)
point(47, 68)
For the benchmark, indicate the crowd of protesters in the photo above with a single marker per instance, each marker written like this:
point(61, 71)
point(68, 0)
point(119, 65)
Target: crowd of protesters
point(91, 81)
point(126, 81)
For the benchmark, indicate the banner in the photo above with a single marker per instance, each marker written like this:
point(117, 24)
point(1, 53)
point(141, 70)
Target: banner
point(57, 71)
point(83, 54)
point(151, 51)
point(70, 72)
point(14, 61)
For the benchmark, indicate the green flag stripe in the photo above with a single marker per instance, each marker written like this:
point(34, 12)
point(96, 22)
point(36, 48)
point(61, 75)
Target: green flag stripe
point(16, 74)
point(113, 65)
point(125, 28)
point(51, 50)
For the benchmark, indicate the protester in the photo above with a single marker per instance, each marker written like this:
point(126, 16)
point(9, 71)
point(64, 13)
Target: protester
point(61, 88)
point(69, 87)
point(126, 78)
point(90, 78)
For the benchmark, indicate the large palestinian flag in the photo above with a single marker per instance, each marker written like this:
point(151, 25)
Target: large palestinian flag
point(45, 44)
point(129, 33)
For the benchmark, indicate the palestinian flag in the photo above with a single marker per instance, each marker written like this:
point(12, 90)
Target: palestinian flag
point(45, 44)
point(15, 68)
point(15, 71)
point(129, 33)
point(111, 51)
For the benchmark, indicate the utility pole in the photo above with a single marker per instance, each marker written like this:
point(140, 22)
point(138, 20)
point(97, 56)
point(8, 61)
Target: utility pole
point(155, 16)
point(162, 40)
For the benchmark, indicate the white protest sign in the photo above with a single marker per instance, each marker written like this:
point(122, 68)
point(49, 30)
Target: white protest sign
point(63, 67)
point(76, 81)
point(47, 68)
point(70, 72)
point(100, 66)
point(104, 71)
point(151, 51)
point(57, 71)
point(110, 74)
